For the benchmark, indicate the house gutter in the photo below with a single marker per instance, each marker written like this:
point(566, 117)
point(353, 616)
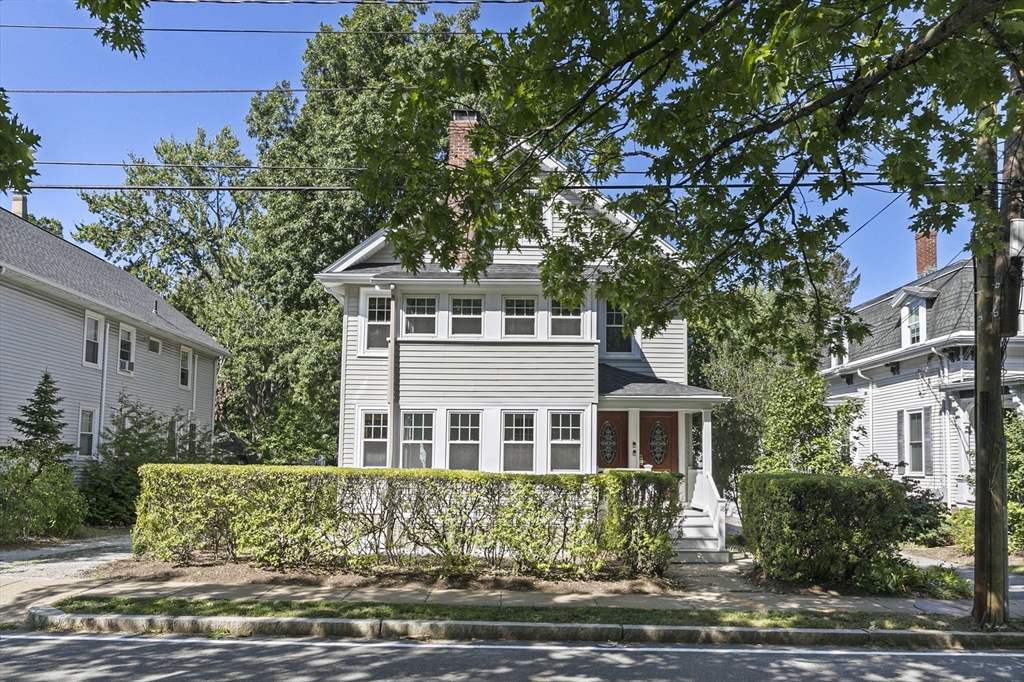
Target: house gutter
point(871, 410)
point(393, 414)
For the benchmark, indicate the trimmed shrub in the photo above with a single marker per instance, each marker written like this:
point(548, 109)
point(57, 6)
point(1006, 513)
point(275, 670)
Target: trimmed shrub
point(962, 521)
point(805, 527)
point(455, 522)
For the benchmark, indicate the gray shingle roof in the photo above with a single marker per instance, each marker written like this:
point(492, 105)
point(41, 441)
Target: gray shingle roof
point(612, 381)
point(52, 260)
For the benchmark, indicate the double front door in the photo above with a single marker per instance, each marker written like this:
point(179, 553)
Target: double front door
point(658, 440)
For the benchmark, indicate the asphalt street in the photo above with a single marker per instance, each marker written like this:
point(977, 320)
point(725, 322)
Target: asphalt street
point(75, 658)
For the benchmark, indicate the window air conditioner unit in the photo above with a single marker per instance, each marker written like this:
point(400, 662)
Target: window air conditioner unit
point(126, 366)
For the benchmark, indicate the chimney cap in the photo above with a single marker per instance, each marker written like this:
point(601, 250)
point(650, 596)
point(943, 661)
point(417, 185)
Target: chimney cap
point(465, 115)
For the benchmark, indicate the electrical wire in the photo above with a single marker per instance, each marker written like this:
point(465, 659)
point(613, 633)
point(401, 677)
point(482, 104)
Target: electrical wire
point(254, 31)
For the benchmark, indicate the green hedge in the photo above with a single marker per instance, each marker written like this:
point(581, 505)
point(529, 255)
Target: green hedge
point(457, 522)
point(962, 521)
point(822, 528)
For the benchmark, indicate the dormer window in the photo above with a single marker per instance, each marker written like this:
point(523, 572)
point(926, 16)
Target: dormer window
point(912, 302)
point(914, 323)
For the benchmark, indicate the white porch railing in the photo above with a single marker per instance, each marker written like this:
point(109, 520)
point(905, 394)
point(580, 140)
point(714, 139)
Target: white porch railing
point(707, 499)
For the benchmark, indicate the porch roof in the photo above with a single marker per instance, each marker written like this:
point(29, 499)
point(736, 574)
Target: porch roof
point(614, 382)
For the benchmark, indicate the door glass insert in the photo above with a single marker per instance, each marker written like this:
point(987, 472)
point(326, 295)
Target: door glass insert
point(659, 443)
point(609, 445)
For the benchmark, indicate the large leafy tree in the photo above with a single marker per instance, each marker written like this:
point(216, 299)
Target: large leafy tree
point(746, 121)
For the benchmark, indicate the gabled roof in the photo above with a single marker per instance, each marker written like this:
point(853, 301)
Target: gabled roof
point(37, 255)
point(616, 382)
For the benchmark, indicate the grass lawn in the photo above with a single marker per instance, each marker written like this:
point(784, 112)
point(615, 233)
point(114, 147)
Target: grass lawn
point(528, 614)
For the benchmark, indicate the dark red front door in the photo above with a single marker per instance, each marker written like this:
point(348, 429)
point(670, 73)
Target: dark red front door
point(659, 440)
point(612, 433)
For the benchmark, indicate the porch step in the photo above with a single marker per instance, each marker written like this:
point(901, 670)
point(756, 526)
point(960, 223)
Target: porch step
point(696, 543)
point(696, 521)
point(699, 556)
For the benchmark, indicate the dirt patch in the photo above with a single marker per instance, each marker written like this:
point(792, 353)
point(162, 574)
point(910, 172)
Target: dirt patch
point(240, 573)
point(952, 556)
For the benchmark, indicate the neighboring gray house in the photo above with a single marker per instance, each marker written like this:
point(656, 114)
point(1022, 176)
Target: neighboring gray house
point(494, 376)
point(98, 330)
point(914, 376)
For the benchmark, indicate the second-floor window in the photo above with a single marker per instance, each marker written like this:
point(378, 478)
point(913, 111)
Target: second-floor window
point(91, 352)
point(378, 322)
point(914, 323)
point(520, 316)
point(126, 350)
point(185, 371)
point(467, 316)
point(615, 338)
point(565, 320)
point(421, 315)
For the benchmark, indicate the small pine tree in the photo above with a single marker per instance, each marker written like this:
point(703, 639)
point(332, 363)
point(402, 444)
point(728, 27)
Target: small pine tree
point(40, 425)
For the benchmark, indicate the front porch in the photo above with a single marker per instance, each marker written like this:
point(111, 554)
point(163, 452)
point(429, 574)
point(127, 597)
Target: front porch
point(658, 419)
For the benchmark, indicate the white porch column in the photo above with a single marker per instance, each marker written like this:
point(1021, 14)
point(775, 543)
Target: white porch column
point(705, 450)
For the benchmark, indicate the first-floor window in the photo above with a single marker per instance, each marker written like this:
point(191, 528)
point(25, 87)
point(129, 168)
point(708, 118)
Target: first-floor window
point(566, 441)
point(916, 442)
point(417, 440)
point(464, 440)
point(375, 439)
point(85, 433)
point(517, 441)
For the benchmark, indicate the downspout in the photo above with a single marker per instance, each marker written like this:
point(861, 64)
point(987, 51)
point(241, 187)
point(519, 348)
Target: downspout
point(944, 377)
point(393, 414)
point(102, 386)
point(871, 411)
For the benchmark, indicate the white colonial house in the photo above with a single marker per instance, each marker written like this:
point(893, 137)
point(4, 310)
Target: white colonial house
point(914, 376)
point(495, 376)
point(99, 331)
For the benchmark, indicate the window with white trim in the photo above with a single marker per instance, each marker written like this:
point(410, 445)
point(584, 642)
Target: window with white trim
point(464, 441)
point(86, 432)
point(467, 316)
point(517, 442)
point(615, 338)
point(421, 315)
point(375, 439)
point(378, 322)
point(155, 346)
point(93, 334)
point(566, 441)
point(126, 349)
point(520, 316)
point(914, 322)
point(565, 320)
point(417, 440)
point(185, 368)
point(915, 442)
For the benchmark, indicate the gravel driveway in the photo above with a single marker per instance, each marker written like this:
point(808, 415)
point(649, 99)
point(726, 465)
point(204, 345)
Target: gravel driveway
point(65, 559)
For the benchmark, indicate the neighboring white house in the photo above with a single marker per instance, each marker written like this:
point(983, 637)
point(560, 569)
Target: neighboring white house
point(494, 376)
point(99, 331)
point(914, 376)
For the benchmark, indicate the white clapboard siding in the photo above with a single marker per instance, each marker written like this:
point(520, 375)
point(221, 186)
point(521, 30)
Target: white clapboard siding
point(665, 354)
point(365, 378)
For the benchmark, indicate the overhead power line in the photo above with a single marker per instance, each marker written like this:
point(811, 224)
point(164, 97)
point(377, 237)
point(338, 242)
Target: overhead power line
point(193, 91)
point(255, 31)
point(199, 166)
point(351, 2)
point(289, 188)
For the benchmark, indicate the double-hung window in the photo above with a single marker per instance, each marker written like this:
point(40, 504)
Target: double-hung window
point(615, 338)
point(185, 368)
point(375, 439)
point(467, 316)
point(86, 432)
point(378, 322)
point(464, 440)
point(566, 441)
point(566, 321)
point(91, 351)
point(126, 350)
point(517, 441)
point(421, 315)
point(417, 440)
point(915, 444)
point(914, 323)
point(520, 316)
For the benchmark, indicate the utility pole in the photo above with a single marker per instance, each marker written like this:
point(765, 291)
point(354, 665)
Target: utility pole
point(997, 283)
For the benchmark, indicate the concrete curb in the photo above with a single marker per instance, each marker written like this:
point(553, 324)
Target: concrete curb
point(49, 618)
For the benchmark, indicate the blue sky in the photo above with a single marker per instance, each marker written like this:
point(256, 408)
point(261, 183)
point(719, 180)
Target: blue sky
point(102, 128)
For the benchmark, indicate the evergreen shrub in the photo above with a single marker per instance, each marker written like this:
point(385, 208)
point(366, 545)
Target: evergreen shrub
point(457, 523)
point(805, 527)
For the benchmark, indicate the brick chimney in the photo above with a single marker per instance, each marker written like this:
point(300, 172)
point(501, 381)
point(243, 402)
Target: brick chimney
point(459, 149)
point(19, 206)
point(927, 256)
